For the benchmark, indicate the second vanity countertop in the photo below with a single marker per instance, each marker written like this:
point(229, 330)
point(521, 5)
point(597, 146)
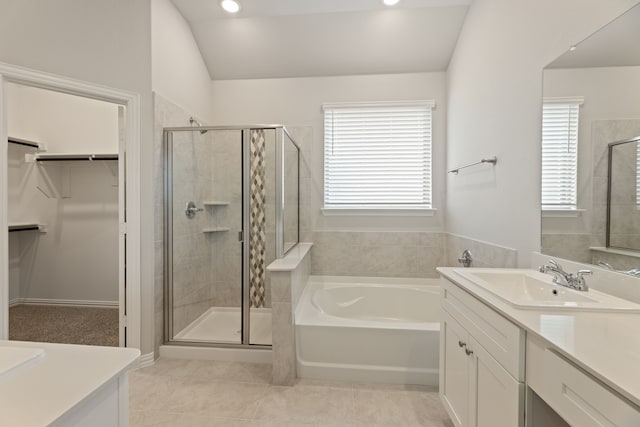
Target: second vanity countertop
point(604, 344)
point(43, 390)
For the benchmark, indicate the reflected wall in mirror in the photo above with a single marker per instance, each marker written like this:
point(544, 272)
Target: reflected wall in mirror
point(601, 78)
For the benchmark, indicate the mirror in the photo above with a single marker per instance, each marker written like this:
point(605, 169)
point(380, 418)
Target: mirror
point(591, 102)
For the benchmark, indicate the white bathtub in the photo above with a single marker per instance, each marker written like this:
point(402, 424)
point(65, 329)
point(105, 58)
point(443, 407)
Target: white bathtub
point(369, 329)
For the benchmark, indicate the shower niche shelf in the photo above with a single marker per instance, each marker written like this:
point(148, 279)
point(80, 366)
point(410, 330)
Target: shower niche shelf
point(215, 230)
point(215, 204)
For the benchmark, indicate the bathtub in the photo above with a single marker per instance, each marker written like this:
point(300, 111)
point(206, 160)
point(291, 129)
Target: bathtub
point(369, 329)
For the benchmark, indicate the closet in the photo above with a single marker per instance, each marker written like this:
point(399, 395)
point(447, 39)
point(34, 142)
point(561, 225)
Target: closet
point(65, 268)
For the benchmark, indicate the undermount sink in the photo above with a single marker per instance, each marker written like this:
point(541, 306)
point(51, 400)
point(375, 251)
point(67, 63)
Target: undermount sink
point(534, 290)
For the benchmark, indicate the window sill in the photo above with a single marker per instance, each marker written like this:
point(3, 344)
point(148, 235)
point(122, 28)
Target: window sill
point(562, 213)
point(379, 211)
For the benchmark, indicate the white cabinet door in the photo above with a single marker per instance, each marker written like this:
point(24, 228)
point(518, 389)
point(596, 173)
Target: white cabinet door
point(497, 399)
point(454, 370)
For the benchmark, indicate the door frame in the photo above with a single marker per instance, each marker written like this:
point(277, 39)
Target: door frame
point(129, 149)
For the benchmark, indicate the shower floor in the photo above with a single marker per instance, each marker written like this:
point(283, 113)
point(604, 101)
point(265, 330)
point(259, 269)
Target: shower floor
point(223, 325)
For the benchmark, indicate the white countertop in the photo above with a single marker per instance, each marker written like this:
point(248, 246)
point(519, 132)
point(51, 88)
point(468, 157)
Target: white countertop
point(42, 390)
point(605, 344)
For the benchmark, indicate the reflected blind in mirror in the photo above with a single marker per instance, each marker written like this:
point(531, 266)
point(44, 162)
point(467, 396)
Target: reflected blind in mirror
point(377, 155)
point(560, 153)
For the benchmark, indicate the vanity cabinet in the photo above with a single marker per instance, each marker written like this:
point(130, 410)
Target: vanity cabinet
point(576, 396)
point(481, 363)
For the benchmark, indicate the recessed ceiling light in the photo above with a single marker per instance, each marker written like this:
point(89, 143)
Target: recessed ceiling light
point(390, 2)
point(231, 6)
point(572, 48)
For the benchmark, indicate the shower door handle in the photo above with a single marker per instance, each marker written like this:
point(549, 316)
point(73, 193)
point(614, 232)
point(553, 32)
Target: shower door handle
point(240, 236)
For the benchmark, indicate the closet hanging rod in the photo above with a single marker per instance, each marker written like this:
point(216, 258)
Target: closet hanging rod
point(74, 157)
point(492, 160)
point(24, 142)
point(25, 227)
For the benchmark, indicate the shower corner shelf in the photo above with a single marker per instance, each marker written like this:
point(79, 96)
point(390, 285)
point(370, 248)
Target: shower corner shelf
point(27, 227)
point(215, 203)
point(215, 230)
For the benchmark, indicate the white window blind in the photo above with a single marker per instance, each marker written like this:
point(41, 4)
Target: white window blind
point(560, 153)
point(377, 155)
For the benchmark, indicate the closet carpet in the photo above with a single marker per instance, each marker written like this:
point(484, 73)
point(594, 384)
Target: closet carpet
point(66, 325)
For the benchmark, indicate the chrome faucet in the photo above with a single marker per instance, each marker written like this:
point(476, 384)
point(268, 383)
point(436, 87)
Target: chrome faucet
point(466, 258)
point(562, 278)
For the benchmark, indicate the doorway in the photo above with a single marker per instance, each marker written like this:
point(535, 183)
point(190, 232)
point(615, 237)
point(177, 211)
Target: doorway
point(63, 213)
point(54, 171)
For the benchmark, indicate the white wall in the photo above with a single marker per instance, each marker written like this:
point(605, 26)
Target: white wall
point(494, 108)
point(77, 258)
point(610, 93)
point(103, 42)
point(64, 123)
point(178, 70)
point(298, 102)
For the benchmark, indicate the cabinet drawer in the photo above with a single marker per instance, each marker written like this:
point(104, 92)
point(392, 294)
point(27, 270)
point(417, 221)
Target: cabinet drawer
point(501, 338)
point(580, 399)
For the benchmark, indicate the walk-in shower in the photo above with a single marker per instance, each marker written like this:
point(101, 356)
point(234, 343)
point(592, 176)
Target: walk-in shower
point(231, 208)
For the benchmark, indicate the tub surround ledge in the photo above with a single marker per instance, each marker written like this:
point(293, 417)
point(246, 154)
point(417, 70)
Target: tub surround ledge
point(288, 278)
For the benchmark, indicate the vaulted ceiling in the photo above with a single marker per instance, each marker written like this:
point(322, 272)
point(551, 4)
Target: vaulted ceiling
point(615, 45)
point(304, 38)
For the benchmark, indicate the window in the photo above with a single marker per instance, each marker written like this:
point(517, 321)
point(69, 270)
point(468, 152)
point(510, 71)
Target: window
point(377, 156)
point(560, 153)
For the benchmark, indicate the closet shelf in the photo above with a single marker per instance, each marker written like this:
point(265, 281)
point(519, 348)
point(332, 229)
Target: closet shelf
point(74, 157)
point(27, 227)
point(215, 203)
point(24, 142)
point(215, 230)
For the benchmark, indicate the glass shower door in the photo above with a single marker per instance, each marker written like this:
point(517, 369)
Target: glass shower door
point(203, 233)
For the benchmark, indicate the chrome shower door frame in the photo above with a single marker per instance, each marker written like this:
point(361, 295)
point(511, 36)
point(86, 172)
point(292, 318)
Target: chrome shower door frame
point(246, 218)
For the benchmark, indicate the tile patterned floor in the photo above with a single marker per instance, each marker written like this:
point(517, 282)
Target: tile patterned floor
point(198, 393)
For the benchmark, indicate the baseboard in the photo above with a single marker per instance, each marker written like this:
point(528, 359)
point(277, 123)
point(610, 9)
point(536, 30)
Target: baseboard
point(247, 355)
point(64, 302)
point(146, 360)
